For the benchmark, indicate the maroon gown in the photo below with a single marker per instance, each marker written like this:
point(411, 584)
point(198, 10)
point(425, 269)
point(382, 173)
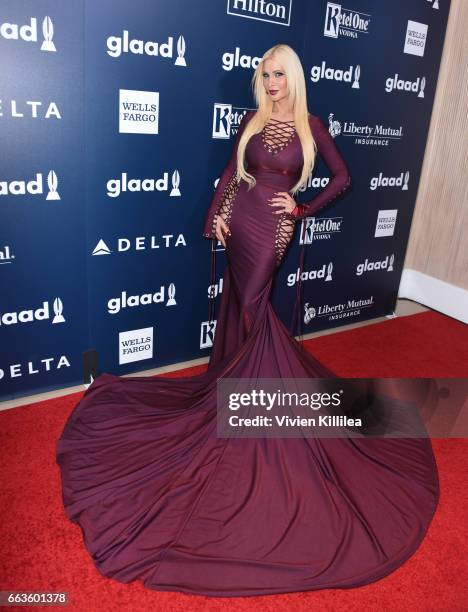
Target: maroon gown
point(160, 498)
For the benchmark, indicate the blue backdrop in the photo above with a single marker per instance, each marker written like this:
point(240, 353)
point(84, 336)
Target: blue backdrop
point(113, 138)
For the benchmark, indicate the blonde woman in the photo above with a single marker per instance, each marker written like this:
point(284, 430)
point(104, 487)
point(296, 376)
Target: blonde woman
point(162, 498)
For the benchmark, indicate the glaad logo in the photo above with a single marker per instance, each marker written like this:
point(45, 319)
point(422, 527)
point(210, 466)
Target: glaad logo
point(124, 244)
point(34, 108)
point(215, 290)
point(115, 305)
point(415, 39)
point(225, 120)
point(336, 74)
point(207, 333)
point(369, 266)
point(365, 134)
point(135, 345)
point(394, 83)
point(390, 181)
point(33, 187)
point(236, 60)
point(319, 229)
point(138, 112)
point(28, 33)
point(40, 314)
point(278, 12)
point(344, 22)
point(386, 220)
point(116, 45)
point(16, 369)
point(5, 256)
point(325, 272)
point(115, 187)
point(337, 311)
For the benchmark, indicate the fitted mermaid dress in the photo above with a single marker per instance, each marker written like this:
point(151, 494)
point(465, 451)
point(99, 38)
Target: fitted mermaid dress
point(161, 498)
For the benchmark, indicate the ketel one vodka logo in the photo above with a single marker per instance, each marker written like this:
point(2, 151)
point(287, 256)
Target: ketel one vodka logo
point(28, 32)
point(39, 314)
point(116, 45)
point(344, 75)
point(226, 120)
point(341, 21)
point(207, 333)
point(32, 187)
point(313, 228)
point(115, 305)
point(115, 187)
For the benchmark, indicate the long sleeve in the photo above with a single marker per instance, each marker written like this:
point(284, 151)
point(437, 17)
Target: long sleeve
point(227, 184)
point(338, 183)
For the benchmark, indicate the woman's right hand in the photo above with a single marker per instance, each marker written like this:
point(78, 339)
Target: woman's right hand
point(221, 230)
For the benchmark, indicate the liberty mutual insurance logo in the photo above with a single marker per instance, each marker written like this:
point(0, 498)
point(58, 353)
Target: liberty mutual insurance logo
point(28, 32)
point(138, 112)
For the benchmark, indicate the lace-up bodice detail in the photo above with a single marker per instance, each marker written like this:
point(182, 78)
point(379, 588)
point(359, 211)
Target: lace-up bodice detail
point(276, 135)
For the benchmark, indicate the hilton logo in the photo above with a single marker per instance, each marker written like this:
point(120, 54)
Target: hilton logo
point(272, 11)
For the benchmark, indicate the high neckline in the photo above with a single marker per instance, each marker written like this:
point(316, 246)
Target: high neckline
point(280, 121)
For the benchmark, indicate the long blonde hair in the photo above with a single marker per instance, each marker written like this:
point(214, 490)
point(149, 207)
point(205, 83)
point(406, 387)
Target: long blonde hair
point(291, 63)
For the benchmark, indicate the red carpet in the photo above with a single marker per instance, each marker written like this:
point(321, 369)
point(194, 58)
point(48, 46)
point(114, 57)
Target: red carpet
point(42, 550)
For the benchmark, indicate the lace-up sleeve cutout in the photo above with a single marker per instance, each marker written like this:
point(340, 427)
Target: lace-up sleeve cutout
point(226, 190)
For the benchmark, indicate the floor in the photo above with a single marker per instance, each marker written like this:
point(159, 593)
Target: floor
point(404, 308)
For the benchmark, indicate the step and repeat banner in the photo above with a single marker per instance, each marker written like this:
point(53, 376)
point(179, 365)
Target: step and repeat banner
point(114, 134)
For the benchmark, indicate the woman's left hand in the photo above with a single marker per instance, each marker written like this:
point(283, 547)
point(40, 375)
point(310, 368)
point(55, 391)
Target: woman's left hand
point(284, 200)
